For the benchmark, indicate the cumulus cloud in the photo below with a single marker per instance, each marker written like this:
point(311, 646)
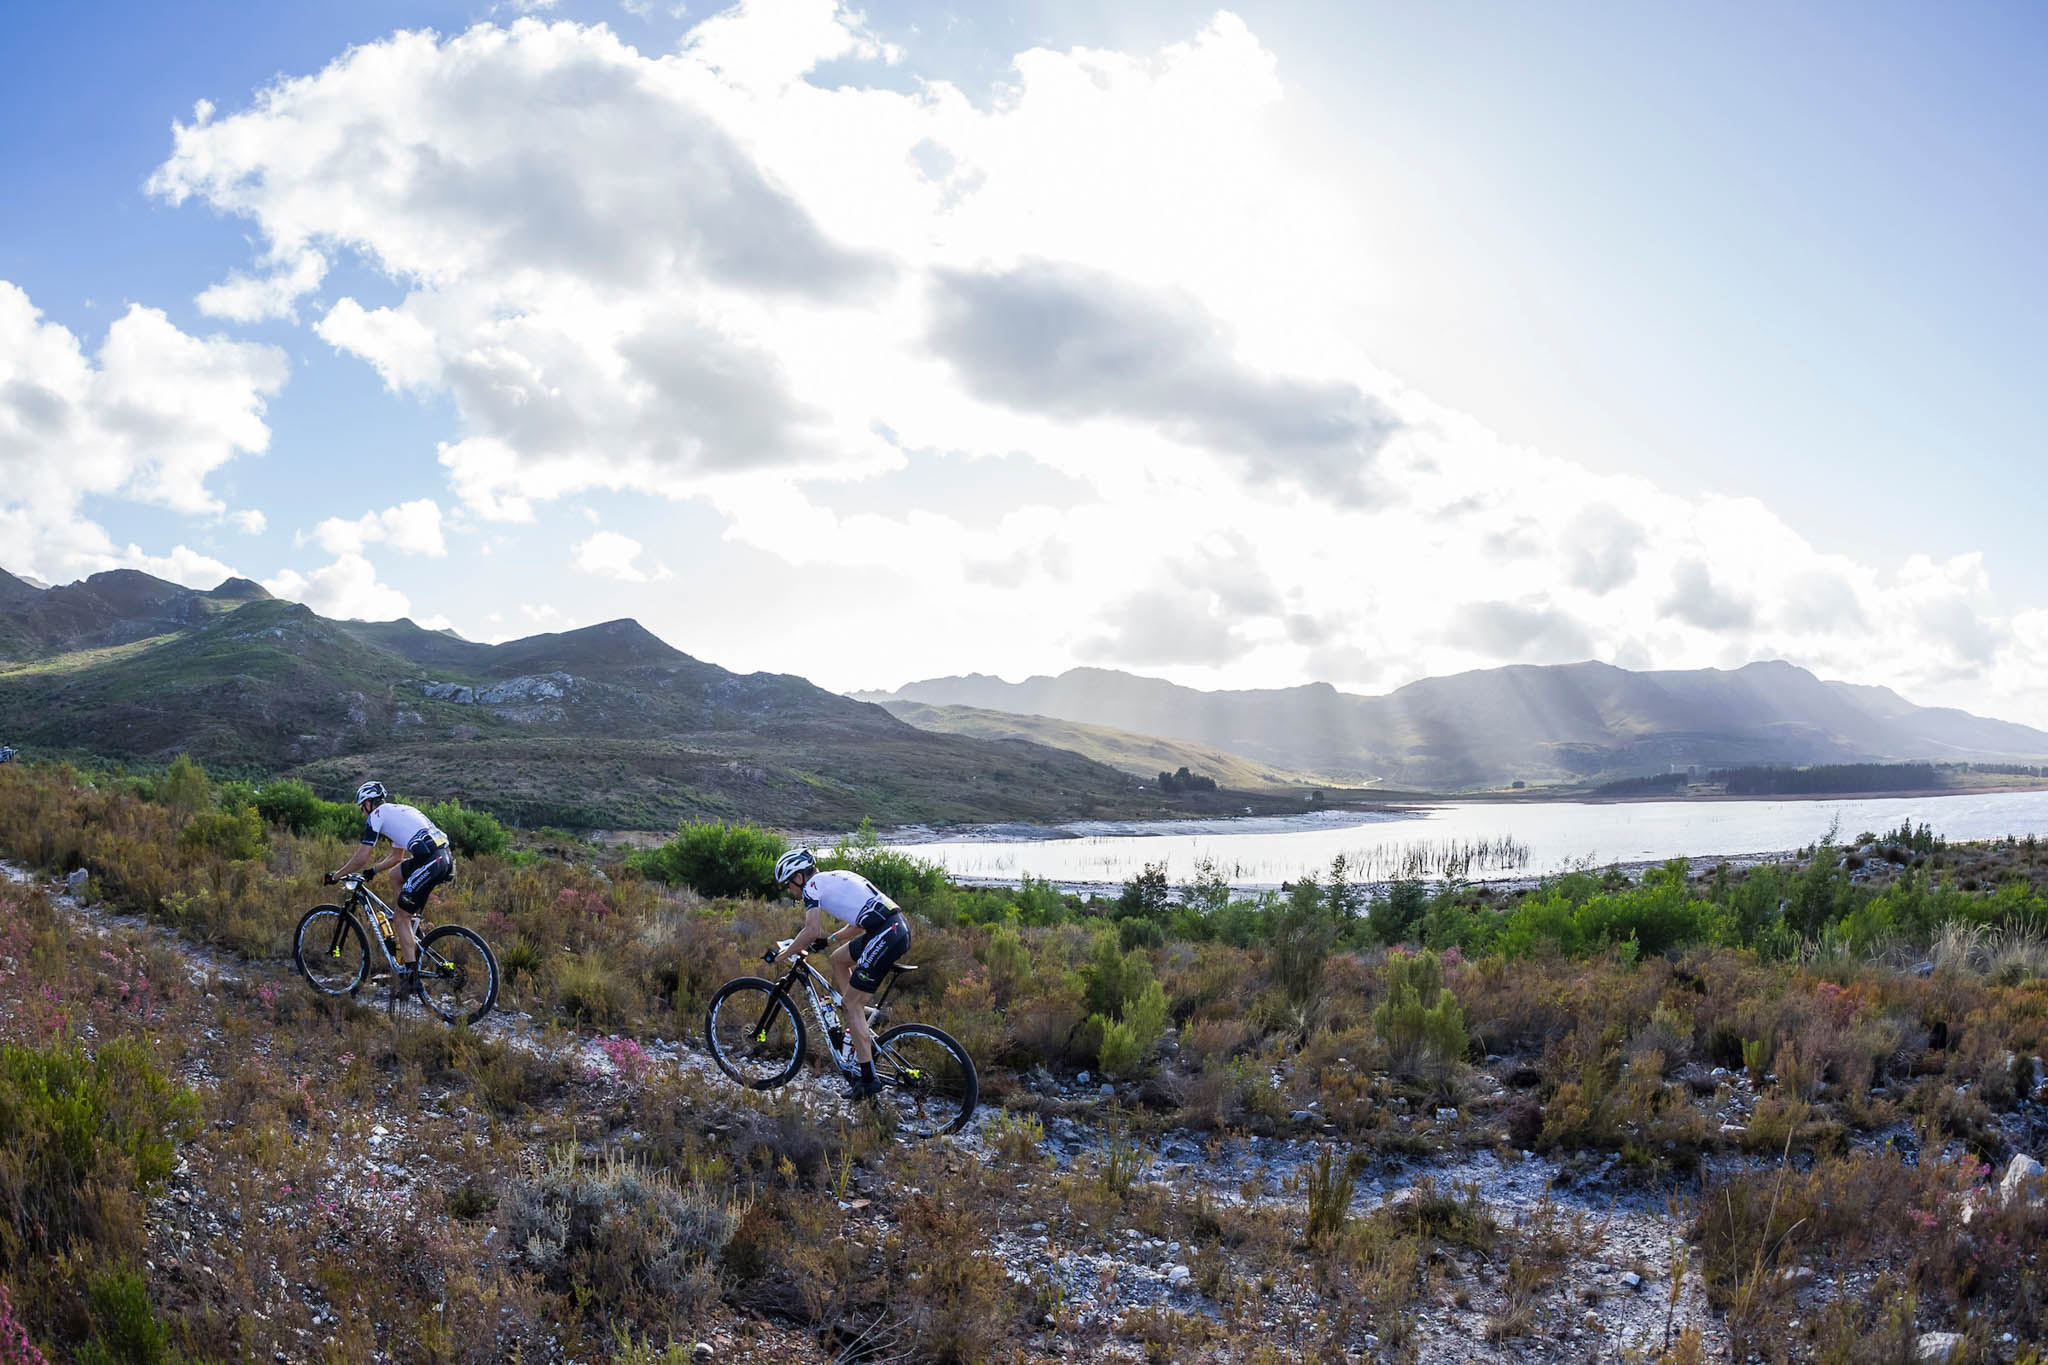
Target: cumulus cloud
point(1075, 343)
point(1161, 626)
point(1519, 633)
point(413, 527)
point(1698, 601)
point(182, 565)
point(608, 554)
point(1601, 545)
point(258, 298)
point(149, 417)
point(251, 520)
point(1121, 266)
point(345, 590)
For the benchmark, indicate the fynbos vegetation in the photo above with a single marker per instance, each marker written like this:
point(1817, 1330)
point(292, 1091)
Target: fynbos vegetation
point(1775, 1110)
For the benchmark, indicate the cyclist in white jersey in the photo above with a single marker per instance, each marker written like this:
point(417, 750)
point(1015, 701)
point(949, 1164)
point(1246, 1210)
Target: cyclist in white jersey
point(872, 936)
point(417, 843)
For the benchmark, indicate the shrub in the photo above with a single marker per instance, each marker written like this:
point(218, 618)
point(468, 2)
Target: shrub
point(1330, 1183)
point(715, 859)
point(1127, 1043)
point(292, 804)
point(126, 1329)
point(184, 788)
point(471, 831)
point(80, 1136)
point(1394, 918)
point(1300, 936)
point(910, 881)
point(1419, 1022)
point(621, 1232)
point(15, 1346)
point(1144, 897)
point(236, 837)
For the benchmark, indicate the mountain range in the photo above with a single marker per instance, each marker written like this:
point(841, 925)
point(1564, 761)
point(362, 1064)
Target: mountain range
point(1542, 724)
point(604, 727)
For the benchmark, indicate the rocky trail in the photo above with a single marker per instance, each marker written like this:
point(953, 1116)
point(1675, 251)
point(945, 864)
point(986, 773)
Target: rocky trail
point(1613, 1296)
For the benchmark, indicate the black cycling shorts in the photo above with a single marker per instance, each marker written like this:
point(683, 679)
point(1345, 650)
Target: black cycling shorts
point(426, 866)
point(876, 951)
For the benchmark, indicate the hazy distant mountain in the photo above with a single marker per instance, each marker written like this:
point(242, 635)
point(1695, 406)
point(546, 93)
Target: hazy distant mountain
point(605, 726)
point(1562, 723)
point(1143, 756)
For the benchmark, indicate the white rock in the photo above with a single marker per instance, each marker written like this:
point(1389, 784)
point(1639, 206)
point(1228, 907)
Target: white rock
point(2022, 1181)
point(1937, 1346)
point(1178, 1275)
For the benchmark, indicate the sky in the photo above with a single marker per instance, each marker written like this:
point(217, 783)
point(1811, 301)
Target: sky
point(1244, 347)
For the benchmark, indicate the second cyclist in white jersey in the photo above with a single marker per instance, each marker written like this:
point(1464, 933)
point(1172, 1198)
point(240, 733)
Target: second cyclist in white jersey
point(872, 935)
point(417, 843)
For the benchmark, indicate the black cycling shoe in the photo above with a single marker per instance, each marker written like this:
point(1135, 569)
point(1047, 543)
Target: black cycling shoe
point(858, 1088)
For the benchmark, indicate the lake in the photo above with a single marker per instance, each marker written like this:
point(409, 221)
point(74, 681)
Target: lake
point(1264, 852)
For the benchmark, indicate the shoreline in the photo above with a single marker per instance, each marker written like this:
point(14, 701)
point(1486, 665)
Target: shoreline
point(1520, 881)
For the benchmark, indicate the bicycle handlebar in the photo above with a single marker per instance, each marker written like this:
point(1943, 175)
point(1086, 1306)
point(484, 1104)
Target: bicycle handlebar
point(818, 945)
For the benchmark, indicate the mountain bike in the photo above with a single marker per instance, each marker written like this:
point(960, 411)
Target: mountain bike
point(929, 1085)
point(458, 978)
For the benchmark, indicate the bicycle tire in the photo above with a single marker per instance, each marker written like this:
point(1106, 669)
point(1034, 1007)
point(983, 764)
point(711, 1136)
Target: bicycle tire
point(754, 1033)
point(458, 974)
point(322, 956)
point(929, 1084)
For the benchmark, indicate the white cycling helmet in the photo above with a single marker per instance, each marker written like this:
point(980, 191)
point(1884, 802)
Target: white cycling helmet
point(795, 861)
point(370, 791)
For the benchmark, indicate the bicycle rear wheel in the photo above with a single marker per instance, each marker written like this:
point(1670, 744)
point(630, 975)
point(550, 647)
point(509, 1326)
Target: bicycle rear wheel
point(458, 974)
point(929, 1085)
point(755, 1034)
point(330, 951)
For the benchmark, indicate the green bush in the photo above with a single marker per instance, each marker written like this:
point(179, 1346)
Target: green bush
point(292, 804)
point(80, 1135)
point(1128, 1043)
point(715, 859)
point(1114, 977)
point(1420, 1023)
point(1299, 937)
point(126, 1329)
point(1393, 919)
point(910, 881)
point(236, 836)
point(1145, 896)
point(184, 788)
point(471, 831)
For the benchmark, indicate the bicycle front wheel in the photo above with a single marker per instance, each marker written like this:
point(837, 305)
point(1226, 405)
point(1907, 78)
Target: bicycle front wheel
point(929, 1085)
point(458, 974)
point(755, 1034)
point(330, 951)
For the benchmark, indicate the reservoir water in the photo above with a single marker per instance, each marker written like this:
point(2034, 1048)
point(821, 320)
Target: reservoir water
point(1264, 852)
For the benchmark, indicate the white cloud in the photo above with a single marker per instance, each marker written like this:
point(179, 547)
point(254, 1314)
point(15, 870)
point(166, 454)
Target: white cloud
point(345, 590)
point(413, 527)
point(252, 298)
point(251, 520)
point(1120, 266)
point(182, 565)
point(608, 554)
point(149, 417)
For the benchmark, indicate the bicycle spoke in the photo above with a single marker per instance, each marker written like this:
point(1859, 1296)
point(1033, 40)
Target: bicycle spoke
point(928, 1081)
point(754, 1034)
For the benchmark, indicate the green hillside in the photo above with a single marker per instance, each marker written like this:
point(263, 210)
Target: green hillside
point(602, 727)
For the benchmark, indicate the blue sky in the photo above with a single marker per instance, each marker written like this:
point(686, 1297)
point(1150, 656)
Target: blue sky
point(1351, 342)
